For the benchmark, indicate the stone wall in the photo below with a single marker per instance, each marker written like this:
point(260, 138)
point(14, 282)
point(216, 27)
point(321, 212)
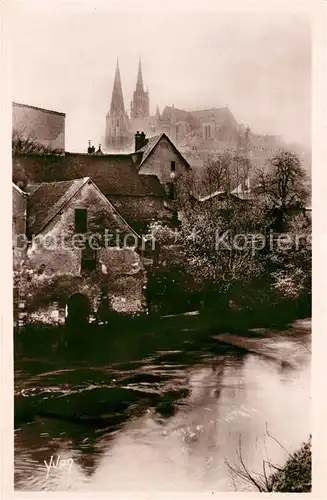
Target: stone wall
point(45, 126)
point(19, 202)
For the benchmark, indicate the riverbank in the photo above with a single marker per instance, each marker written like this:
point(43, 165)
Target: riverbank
point(38, 339)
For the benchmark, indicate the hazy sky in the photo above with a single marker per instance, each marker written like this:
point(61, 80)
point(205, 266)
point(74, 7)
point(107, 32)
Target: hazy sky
point(257, 63)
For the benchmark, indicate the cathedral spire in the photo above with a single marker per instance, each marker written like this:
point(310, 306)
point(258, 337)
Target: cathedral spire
point(139, 83)
point(117, 136)
point(140, 102)
point(117, 100)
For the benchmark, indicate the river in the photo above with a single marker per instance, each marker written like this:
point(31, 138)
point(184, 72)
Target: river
point(164, 418)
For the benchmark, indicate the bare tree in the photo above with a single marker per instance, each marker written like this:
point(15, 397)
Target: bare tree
point(224, 172)
point(283, 182)
point(23, 145)
point(294, 476)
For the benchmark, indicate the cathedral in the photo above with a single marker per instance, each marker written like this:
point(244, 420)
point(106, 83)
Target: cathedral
point(120, 127)
point(198, 134)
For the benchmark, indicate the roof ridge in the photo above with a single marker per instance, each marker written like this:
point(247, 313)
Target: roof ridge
point(155, 140)
point(211, 195)
point(38, 108)
point(60, 182)
point(14, 185)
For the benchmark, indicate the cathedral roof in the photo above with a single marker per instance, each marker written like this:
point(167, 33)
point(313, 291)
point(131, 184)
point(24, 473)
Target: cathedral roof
point(220, 115)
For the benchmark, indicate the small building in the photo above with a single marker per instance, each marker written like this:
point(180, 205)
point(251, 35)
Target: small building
point(79, 245)
point(159, 156)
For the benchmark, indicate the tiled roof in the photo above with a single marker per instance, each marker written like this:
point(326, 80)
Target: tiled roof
point(152, 185)
point(47, 200)
point(30, 188)
point(150, 144)
point(221, 196)
point(241, 190)
point(141, 210)
point(113, 174)
point(210, 196)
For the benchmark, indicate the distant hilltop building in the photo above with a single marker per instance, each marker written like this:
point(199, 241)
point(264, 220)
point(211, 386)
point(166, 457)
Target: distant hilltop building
point(197, 133)
point(44, 126)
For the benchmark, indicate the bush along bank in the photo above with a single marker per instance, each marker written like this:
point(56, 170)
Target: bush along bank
point(295, 476)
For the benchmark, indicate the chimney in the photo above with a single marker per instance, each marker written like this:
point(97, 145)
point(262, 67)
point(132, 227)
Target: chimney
point(99, 151)
point(89, 149)
point(139, 140)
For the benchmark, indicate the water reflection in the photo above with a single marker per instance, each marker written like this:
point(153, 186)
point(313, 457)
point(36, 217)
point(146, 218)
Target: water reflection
point(180, 416)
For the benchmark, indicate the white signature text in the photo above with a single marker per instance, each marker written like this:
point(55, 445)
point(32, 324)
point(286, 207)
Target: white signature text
point(59, 464)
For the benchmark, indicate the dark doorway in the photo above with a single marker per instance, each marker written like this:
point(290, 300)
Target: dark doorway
point(78, 310)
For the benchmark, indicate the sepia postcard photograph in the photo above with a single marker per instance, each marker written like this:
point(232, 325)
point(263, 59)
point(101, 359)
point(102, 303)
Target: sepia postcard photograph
point(161, 247)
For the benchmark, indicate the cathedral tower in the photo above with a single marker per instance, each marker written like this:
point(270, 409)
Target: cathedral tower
point(140, 103)
point(117, 123)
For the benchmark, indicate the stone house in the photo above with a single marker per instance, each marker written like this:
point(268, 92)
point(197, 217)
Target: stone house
point(80, 249)
point(117, 193)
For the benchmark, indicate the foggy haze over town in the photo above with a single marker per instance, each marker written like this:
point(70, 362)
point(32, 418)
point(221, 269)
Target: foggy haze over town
point(256, 63)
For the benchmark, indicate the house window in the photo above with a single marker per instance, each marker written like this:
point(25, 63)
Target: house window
point(172, 166)
point(80, 220)
point(89, 260)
